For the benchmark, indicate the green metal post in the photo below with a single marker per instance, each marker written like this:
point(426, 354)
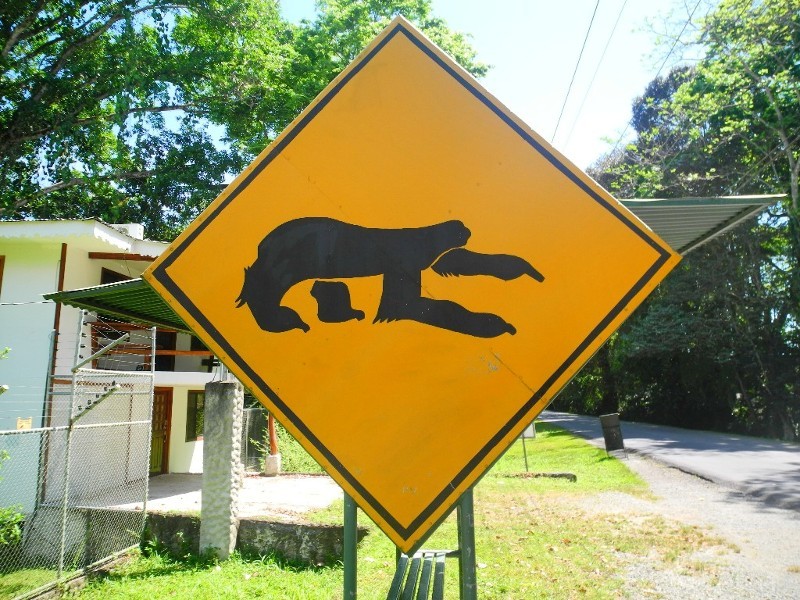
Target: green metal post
point(525, 452)
point(350, 539)
point(466, 542)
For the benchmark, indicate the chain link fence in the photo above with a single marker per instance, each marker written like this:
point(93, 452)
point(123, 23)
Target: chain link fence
point(74, 493)
point(255, 444)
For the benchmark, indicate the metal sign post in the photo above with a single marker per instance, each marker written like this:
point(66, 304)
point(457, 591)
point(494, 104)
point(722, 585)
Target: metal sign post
point(466, 541)
point(350, 547)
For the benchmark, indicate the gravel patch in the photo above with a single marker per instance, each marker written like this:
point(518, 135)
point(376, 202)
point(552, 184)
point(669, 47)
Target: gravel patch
point(758, 555)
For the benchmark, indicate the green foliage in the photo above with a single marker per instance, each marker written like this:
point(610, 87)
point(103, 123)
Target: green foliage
point(717, 346)
point(11, 518)
point(294, 458)
point(134, 110)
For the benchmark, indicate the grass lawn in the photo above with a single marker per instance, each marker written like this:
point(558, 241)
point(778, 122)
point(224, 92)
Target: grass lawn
point(15, 583)
point(532, 541)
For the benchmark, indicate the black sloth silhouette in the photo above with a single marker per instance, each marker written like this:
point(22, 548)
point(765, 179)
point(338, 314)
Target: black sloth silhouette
point(320, 249)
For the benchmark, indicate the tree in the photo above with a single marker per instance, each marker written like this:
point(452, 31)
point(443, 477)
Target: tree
point(649, 167)
point(742, 108)
point(746, 91)
point(746, 94)
point(718, 344)
point(139, 110)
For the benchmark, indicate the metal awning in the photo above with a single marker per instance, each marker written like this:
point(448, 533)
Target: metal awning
point(684, 223)
point(131, 300)
point(687, 223)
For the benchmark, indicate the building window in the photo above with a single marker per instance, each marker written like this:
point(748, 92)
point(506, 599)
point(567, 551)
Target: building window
point(194, 415)
point(166, 340)
point(109, 276)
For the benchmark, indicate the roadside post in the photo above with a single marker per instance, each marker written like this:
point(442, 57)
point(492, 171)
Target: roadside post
point(612, 433)
point(529, 431)
point(405, 278)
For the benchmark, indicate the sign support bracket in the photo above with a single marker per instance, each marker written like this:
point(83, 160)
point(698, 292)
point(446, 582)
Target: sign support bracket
point(465, 523)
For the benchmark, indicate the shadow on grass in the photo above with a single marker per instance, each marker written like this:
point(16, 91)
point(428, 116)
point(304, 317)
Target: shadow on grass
point(152, 565)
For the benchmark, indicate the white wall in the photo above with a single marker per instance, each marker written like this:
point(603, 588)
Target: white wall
point(184, 457)
point(26, 328)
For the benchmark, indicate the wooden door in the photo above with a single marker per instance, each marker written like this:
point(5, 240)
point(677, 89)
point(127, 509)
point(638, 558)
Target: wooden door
point(162, 418)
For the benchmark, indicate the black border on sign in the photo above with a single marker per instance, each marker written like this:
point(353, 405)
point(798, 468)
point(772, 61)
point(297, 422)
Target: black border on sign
point(160, 274)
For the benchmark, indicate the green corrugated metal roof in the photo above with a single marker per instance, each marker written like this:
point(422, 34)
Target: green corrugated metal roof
point(131, 300)
point(683, 223)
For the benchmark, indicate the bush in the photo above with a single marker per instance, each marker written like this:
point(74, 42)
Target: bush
point(10, 518)
point(294, 458)
point(10, 526)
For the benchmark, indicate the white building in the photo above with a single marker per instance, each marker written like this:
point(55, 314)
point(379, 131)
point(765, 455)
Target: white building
point(39, 257)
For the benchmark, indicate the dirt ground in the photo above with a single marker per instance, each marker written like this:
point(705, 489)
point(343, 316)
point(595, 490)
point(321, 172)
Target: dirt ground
point(759, 557)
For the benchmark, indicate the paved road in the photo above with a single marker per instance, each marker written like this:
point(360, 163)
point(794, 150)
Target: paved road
point(766, 469)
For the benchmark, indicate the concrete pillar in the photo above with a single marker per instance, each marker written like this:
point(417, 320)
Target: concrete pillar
point(272, 465)
point(222, 467)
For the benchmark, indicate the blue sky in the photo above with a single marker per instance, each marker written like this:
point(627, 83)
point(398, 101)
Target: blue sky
point(533, 47)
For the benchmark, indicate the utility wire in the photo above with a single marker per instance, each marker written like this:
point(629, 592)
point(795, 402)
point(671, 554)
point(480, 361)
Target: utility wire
point(577, 64)
point(597, 68)
point(661, 68)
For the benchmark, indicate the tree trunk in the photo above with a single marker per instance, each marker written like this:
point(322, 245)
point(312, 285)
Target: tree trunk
point(789, 433)
point(608, 399)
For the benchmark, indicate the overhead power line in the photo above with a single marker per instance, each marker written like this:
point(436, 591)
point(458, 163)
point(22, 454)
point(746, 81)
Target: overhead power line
point(577, 64)
point(661, 68)
point(597, 68)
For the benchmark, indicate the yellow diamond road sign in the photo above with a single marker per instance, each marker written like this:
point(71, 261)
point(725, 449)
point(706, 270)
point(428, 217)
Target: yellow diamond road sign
point(406, 277)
